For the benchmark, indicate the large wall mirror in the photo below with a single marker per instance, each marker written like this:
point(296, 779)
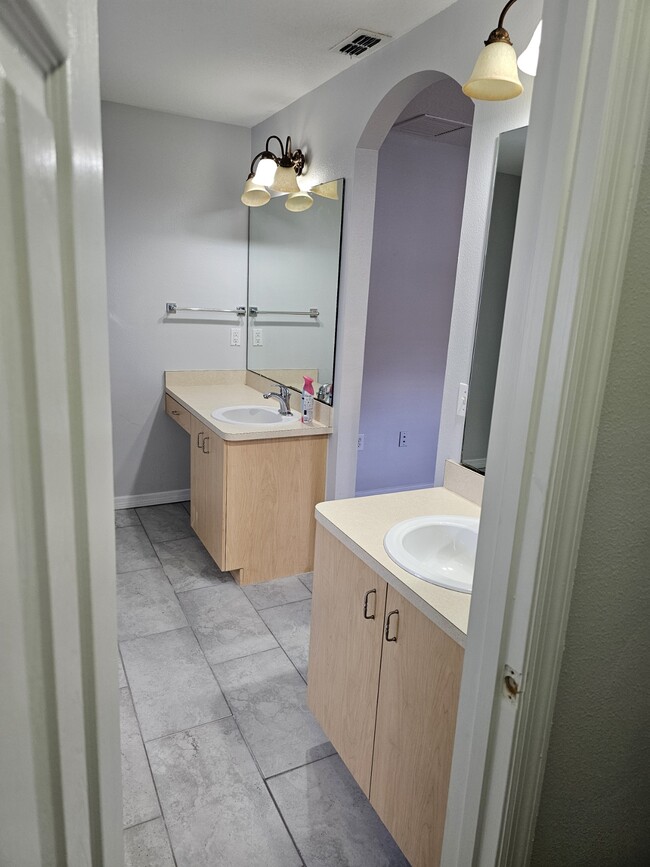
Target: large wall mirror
point(293, 283)
point(489, 322)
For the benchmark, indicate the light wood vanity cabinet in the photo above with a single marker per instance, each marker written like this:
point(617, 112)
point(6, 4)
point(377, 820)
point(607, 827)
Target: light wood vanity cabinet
point(177, 412)
point(252, 501)
point(208, 489)
point(388, 706)
point(348, 605)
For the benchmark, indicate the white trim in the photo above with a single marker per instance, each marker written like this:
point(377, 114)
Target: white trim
point(157, 498)
point(63, 803)
point(588, 125)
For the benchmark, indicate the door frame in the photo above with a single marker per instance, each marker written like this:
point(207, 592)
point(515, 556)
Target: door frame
point(60, 751)
point(588, 127)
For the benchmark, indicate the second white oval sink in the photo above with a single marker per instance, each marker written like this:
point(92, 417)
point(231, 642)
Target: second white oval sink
point(252, 415)
point(440, 549)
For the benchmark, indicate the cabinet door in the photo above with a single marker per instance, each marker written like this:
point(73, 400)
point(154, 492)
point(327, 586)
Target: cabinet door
point(416, 721)
point(208, 493)
point(344, 654)
point(273, 487)
point(197, 478)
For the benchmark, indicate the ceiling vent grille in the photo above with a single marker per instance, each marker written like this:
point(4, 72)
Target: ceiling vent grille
point(359, 43)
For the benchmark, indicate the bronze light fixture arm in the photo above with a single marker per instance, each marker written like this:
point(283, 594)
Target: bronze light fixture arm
point(288, 158)
point(500, 34)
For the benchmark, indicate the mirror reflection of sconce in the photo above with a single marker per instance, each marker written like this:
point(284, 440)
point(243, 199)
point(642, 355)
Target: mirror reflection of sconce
point(279, 174)
point(495, 75)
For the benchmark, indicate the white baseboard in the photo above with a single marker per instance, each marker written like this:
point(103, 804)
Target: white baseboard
point(396, 490)
point(154, 499)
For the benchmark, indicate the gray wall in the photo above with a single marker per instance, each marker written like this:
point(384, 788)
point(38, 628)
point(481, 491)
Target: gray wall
point(418, 214)
point(175, 231)
point(596, 793)
point(342, 124)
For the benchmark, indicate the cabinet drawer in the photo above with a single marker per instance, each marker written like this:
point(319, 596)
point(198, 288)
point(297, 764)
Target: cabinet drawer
point(177, 412)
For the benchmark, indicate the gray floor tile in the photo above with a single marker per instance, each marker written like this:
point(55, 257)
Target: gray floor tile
point(225, 623)
point(276, 592)
point(166, 522)
point(121, 677)
point(134, 550)
point(186, 506)
point(139, 801)
point(146, 603)
point(126, 518)
point(268, 699)
point(217, 809)
point(307, 579)
point(331, 820)
point(290, 625)
point(147, 845)
point(172, 685)
point(188, 565)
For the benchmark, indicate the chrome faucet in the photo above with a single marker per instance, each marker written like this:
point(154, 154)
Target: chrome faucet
point(283, 397)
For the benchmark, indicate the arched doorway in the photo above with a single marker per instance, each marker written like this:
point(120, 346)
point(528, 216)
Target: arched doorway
point(420, 192)
point(356, 273)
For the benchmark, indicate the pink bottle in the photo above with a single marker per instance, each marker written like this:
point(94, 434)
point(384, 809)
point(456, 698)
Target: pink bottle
point(307, 400)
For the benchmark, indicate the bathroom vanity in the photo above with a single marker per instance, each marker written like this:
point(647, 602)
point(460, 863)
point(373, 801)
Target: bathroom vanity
point(253, 488)
point(385, 663)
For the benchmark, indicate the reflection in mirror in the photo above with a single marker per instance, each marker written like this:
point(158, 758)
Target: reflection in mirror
point(293, 281)
point(489, 322)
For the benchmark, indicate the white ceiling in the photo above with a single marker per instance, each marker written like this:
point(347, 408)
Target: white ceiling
point(235, 61)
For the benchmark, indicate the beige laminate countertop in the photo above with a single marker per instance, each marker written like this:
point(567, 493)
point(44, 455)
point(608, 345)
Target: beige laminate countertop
point(361, 524)
point(202, 399)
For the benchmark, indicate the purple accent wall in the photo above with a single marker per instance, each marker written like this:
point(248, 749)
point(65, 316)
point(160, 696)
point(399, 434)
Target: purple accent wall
point(418, 213)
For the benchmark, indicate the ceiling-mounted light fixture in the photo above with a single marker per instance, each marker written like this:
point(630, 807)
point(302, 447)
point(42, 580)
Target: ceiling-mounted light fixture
point(495, 74)
point(277, 173)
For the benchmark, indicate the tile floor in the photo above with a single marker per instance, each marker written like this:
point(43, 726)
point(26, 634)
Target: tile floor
point(222, 763)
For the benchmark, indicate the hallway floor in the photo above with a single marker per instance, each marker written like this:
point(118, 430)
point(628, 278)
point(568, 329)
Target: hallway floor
point(222, 763)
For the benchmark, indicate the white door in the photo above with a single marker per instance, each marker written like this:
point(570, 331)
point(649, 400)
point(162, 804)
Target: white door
point(60, 800)
point(588, 124)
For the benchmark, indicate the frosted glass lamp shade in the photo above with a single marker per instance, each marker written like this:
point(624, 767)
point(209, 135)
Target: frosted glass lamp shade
point(495, 75)
point(285, 180)
point(254, 194)
point(265, 172)
point(528, 58)
point(298, 202)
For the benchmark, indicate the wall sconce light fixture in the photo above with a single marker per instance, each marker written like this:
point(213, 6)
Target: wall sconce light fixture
point(495, 74)
point(277, 173)
point(527, 60)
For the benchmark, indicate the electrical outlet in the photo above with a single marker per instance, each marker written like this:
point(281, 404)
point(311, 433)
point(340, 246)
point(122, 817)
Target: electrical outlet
point(461, 406)
point(235, 336)
point(257, 337)
point(361, 442)
point(402, 439)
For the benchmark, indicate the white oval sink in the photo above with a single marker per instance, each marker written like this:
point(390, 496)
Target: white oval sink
point(252, 415)
point(440, 549)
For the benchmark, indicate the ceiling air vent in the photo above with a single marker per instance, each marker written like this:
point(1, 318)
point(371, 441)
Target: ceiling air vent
point(361, 42)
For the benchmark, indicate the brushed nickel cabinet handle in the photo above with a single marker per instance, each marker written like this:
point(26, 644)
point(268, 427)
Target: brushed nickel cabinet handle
point(394, 638)
point(175, 412)
point(206, 441)
point(199, 439)
point(365, 605)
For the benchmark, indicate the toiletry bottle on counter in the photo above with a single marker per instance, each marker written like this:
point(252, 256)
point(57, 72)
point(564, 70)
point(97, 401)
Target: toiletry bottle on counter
point(308, 400)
